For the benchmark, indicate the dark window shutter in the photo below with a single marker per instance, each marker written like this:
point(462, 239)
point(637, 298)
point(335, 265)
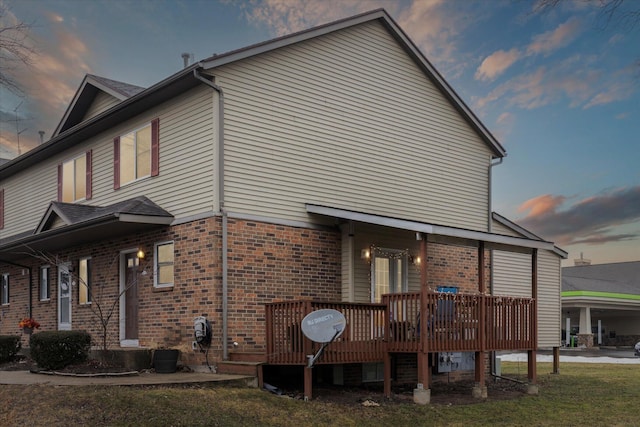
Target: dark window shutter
point(60, 182)
point(155, 147)
point(89, 168)
point(1, 209)
point(116, 162)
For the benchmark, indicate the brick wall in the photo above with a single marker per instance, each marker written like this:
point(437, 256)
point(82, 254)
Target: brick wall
point(449, 265)
point(269, 263)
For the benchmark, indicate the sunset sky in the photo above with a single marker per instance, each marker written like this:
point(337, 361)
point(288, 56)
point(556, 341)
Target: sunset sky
point(560, 89)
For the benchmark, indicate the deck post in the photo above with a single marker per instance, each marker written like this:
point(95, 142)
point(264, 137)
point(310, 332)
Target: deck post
point(387, 374)
point(424, 371)
point(308, 383)
point(556, 360)
point(531, 354)
point(480, 389)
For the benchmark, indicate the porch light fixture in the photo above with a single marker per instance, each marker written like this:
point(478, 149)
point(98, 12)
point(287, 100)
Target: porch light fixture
point(140, 254)
point(416, 260)
point(365, 254)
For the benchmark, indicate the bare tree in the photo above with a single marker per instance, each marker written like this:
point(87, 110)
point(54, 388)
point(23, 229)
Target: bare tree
point(104, 304)
point(622, 14)
point(15, 49)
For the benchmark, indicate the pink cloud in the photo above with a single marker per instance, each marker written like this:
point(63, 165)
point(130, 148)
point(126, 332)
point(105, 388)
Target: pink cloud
point(496, 64)
point(541, 205)
point(552, 40)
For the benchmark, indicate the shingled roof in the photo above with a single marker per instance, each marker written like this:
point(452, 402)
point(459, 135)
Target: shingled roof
point(621, 277)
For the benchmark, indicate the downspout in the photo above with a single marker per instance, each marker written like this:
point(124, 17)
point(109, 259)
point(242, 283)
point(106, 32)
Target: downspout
point(490, 229)
point(223, 212)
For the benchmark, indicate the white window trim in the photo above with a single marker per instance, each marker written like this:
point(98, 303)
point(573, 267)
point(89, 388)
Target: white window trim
point(156, 274)
point(135, 152)
point(73, 159)
point(48, 283)
point(404, 286)
point(88, 285)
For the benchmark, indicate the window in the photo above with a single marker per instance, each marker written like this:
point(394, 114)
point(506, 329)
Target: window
point(84, 281)
point(45, 292)
point(74, 179)
point(388, 272)
point(136, 154)
point(163, 257)
point(4, 296)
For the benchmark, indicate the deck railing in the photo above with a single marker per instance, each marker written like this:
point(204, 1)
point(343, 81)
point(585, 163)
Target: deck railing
point(362, 340)
point(407, 322)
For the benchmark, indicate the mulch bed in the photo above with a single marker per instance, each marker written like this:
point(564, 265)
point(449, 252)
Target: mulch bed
point(91, 366)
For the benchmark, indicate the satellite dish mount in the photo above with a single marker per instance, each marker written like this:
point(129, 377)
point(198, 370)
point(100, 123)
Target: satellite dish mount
point(322, 326)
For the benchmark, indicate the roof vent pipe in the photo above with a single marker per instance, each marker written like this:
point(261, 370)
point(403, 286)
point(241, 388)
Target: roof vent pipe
point(185, 59)
point(41, 133)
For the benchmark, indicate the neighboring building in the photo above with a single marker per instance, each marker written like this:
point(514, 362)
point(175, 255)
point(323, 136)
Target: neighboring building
point(601, 303)
point(332, 168)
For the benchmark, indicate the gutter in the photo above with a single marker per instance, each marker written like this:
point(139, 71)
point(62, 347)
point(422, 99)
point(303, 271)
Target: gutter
point(223, 211)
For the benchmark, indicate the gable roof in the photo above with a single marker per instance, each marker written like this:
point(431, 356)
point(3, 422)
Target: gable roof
point(397, 33)
point(620, 277)
point(525, 233)
point(68, 224)
point(72, 131)
point(89, 88)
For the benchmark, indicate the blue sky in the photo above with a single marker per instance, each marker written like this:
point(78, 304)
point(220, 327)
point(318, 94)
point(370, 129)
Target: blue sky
point(559, 89)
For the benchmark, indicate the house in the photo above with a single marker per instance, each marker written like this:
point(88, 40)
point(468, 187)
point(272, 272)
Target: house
point(332, 168)
point(601, 303)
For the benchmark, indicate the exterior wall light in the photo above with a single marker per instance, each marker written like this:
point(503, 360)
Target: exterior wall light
point(365, 254)
point(140, 254)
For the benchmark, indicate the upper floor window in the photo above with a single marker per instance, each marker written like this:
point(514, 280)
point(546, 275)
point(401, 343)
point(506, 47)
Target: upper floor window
point(74, 178)
point(164, 260)
point(84, 281)
point(4, 289)
point(45, 289)
point(136, 154)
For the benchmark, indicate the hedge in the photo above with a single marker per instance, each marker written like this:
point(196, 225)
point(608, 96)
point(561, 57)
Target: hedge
point(57, 349)
point(9, 346)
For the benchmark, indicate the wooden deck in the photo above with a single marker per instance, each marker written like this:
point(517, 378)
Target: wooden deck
point(404, 323)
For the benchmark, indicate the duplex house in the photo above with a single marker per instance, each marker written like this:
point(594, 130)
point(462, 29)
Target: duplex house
point(331, 168)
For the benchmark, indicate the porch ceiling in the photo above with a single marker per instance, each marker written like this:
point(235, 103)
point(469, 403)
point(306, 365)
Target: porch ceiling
point(435, 232)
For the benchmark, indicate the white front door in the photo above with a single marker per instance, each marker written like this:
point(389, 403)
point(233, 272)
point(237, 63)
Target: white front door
point(64, 298)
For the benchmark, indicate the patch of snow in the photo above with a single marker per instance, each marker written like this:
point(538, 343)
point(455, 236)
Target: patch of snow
point(522, 357)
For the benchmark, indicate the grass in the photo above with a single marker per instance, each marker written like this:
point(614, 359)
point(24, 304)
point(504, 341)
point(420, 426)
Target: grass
point(583, 394)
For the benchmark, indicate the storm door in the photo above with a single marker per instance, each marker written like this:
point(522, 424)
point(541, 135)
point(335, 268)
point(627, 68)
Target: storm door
point(64, 298)
point(129, 299)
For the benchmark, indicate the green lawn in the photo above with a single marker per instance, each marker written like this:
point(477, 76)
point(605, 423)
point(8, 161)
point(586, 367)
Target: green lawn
point(583, 394)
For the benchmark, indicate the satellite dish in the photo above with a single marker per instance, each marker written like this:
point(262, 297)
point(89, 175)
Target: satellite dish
point(324, 325)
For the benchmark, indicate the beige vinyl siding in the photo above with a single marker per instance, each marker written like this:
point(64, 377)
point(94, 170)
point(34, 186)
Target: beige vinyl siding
point(549, 306)
point(348, 120)
point(498, 228)
point(512, 277)
point(102, 102)
point(186, 185)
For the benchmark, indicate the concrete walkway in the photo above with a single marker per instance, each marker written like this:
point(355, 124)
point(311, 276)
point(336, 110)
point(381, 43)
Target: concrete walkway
point(26, 377)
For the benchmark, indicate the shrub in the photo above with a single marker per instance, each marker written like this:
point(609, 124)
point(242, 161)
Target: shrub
point(9, 347)
point(57, 349)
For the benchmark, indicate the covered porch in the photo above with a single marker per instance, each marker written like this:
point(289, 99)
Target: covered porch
point(418, 320)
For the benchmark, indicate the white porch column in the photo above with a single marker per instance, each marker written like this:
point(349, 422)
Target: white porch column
point(585, 320)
